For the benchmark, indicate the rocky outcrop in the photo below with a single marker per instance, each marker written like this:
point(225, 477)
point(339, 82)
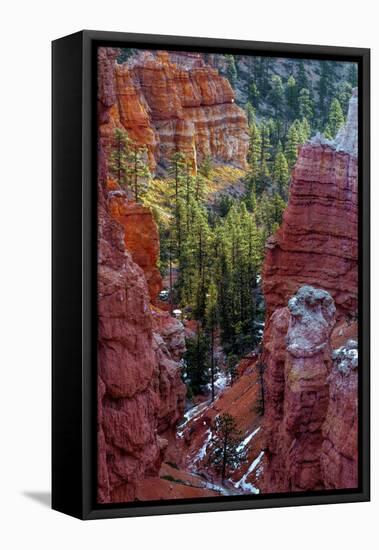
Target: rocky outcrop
point(298, 358)
point(339, 458)
point(169, 104)
point(140, 393)
point(141, 237)
point(317, 243)
point(311, 399)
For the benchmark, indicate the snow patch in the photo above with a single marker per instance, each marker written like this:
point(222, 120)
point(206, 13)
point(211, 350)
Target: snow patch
point(247, 439)
point(203, 450)
point(192, 413)
point(242, 483)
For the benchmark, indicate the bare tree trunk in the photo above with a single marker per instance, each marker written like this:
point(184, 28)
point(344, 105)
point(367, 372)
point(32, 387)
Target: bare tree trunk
point(223, 471)
point(212, 364)
point(170, 271)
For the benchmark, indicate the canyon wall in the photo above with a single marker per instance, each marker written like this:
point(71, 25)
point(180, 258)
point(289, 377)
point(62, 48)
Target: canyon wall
point(317, 243)
point(140, 392)
point(141, 237)
point(171, 103)
point(310, 283)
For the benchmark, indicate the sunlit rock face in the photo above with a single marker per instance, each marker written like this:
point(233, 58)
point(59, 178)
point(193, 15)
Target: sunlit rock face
point(170, 103)
point(317, 243)
point(141, 237)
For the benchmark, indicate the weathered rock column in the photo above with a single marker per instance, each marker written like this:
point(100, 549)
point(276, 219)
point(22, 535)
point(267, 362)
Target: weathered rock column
point(298, 363)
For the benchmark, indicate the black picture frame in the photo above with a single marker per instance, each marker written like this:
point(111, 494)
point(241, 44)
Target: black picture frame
point(74, 274)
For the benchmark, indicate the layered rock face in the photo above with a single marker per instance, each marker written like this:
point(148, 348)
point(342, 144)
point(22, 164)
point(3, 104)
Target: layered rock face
point(317, 243)
point(170, 103)
point(141, 237)
point(140, 392)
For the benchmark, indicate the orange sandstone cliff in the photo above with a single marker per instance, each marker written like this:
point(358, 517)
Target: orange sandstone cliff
point(171, 105)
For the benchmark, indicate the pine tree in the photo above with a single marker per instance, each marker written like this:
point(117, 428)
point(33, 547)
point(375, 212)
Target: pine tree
point(344, 92)
point(225, 451)
point(231, 70)
point(305, 130)
point(178, 171)
point(119, 158)
point(292, 143)
point(196, 362)
point(335, 119)
point(305, 104)
point(140, 173)
point(205, 168)
point(291, 96)
point(250, 113)
point(302, 77)
point(254, 95)
point(194, 261)
point(254, 153)
point(265, 149)
point(127, 164)
point(211, 315)
point(276, 96)
point(326, 86)
point(281, 173)
point(353, 75)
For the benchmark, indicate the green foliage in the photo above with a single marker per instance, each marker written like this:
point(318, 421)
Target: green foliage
point(225, 453)
point(277, 96)
point(255, 152)
point(294, 139)
point(302, 77)
point(196, 363)
point(291, 96)
point(231, 70)
point(250, 113)
point(216, 247)
point(353, 75)
point(205, 168)
point(254, 95)
point(127, 164)
point(305, 104)
point(335, 119)
point(265, 153)
point(281, 173)
point(231, 366)
point(344, 92)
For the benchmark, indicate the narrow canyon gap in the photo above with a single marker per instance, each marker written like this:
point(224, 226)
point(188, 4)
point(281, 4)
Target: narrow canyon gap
point(227, 275)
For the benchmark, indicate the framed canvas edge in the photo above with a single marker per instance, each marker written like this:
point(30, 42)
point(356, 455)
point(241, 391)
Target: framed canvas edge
point(90, 39)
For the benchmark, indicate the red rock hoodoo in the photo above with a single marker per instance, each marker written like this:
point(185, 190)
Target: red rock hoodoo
point(168, 105)
point(317, 243)
point(311, 412)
